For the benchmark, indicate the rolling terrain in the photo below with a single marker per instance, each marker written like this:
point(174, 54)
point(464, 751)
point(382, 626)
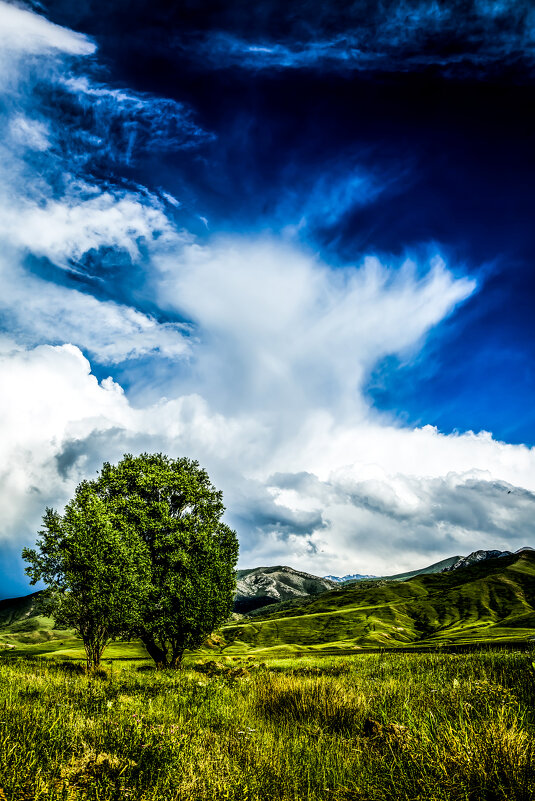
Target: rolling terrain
point(492, 600)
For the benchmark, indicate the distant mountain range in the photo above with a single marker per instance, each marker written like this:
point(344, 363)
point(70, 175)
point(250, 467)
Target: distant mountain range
point(281, 593)
point(491, 599)
point(451, 563)
point(349, 577)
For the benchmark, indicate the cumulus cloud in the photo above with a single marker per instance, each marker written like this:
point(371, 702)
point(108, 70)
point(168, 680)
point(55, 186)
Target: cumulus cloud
point(273, 358)
point(273, 408)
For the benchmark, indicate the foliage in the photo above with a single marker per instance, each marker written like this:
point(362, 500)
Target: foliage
point(433, 727)
point(177, 513)
point(96, 571)
point(141, 550)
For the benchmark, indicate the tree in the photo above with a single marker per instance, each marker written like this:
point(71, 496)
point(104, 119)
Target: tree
point(96, 569)
point(176, 512)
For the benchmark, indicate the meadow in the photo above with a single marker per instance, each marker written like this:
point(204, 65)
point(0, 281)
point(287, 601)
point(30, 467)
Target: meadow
point(371, 726)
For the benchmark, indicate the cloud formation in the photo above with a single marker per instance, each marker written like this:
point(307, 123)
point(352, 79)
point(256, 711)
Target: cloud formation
point(263, 377)
point(457, 37)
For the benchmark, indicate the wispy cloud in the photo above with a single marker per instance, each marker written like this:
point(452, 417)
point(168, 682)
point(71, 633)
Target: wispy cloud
point(24, 34)
point(35, 311)
point(400, 35)
point(267, 377)
point(122, 124)
point(52, 208)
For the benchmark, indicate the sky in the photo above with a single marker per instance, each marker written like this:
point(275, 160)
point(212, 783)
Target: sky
point(293, 241)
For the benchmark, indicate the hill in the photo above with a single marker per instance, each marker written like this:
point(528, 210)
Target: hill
point(263, 586)
point(436, 567)
point(13, 610)
point(491, 600)
point(23, 624)
point(488, 600)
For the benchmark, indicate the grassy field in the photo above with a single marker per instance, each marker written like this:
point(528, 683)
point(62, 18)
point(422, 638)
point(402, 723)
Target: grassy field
point(491, 601)
point(373, 726)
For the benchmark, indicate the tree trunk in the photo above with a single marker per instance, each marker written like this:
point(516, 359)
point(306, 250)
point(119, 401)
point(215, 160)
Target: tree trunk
point(155, 652)
point(93, 653)
point(176, 659)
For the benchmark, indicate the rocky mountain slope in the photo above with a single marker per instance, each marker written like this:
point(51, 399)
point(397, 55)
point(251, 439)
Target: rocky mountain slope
point(491, 600)
point(263, 586)
point(481, 556)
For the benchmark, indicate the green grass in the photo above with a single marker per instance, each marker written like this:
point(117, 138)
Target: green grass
point(489, 602)
point(369, 727)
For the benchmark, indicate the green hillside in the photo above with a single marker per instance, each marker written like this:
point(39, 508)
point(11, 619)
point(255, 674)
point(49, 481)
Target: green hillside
point(490, 601)
point(23, 626)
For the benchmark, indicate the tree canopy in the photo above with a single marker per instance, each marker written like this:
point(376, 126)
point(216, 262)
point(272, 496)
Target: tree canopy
point(96, 570)
point(141, 549)
point(177, 512)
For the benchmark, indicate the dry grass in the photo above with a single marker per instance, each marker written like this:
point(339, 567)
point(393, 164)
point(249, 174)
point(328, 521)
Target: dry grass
point(364, 728)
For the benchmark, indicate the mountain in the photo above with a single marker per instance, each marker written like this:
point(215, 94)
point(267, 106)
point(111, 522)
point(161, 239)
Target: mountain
point(263, 586)
point(476, 556)
point(349, 577)
point(436, 567)
point(13, 610)
point(451, 563)
point(480, 556)
point(491, 600)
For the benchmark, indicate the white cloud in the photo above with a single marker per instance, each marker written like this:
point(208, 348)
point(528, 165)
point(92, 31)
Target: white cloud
point(280, 346)
point(29, 33)
point(283, 325)
point(49, 210)
point(29, 133)
point(272, 407)
point(47, 394)
point(39, 310)
point(86, 219)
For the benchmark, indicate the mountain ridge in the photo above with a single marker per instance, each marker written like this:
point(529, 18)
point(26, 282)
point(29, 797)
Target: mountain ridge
point(263, 586)
point(491, 600)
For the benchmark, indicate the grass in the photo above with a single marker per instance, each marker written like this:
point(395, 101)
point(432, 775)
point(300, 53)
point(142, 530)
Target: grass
point(370, 727)
point(491, 601)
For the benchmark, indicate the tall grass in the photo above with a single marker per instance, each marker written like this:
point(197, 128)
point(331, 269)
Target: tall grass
point(393, 726)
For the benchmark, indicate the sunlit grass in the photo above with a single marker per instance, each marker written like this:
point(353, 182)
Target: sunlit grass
point(374, 726)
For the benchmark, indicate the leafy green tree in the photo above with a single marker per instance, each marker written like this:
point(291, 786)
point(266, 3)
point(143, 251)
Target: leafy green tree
point(177, 512)
point(96, 569)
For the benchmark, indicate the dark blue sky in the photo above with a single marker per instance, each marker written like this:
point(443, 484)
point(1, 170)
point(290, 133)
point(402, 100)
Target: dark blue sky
point(215, 204)
point(441, 124)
